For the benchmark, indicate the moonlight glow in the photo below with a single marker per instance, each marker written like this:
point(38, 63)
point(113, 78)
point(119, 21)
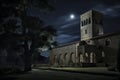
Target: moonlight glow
point(72, 16)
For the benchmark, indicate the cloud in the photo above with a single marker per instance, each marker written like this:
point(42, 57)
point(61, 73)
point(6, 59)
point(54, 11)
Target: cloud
point(65, 20)
point(64, 38)
point(112, 11)
point(110, 2)
point(69, 24)
point(45, 53)
point(68, 31)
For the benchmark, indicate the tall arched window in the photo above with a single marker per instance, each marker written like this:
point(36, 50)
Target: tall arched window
point(86, 57)
point(89, 20)
point(82, 23)
point(73, 57)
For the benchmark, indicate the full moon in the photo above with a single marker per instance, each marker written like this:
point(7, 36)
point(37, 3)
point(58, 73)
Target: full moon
point(72, 16)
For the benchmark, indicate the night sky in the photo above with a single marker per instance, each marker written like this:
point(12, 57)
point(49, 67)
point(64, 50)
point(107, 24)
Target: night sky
point(68, 30)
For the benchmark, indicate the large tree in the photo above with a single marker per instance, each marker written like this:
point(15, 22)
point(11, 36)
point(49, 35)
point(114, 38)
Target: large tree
point(31, 32)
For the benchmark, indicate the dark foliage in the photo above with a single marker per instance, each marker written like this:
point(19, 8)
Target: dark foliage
point(20, 30)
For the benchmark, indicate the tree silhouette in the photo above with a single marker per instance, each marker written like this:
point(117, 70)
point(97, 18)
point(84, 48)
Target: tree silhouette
point(31, 33)
point(118, 57)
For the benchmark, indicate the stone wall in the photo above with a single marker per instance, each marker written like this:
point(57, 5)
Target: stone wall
point(65, 55)
point(109, 46)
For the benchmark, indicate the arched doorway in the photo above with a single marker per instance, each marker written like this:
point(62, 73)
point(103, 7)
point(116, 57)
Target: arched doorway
point(81, 58)
point(72, 59)
point(65, 58)
point(60, 59)
point(56, 59)
point(103, 56)
point(86, 58)
point(92, 57)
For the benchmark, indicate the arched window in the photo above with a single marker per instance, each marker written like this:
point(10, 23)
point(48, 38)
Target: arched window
point(86, 22)
point(60, 59)
point(107, 42)
point(72, 57)
point(85, 31)
point(103, 54)
point(55, 59)
point(89, 20)
point(86, 57)
point(81, 58)
point(82, 23)
point(86, 54)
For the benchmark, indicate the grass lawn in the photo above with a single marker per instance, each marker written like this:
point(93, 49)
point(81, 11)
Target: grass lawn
point(99, 70)
point(93, 69)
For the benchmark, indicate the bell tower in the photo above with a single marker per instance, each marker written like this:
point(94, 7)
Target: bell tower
point(91, 25)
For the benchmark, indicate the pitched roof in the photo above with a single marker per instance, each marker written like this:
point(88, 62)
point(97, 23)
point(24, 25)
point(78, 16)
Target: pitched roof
point(67, 44)
point(106, 35)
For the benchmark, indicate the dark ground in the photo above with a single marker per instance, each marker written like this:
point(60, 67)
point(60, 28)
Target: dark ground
point(37, 74)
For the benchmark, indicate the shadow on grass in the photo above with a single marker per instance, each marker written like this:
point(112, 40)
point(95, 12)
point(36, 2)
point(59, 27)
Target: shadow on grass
point(8, 78)
point(13, 75)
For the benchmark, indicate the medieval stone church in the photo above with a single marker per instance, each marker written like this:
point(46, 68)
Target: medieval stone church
point(94, 49)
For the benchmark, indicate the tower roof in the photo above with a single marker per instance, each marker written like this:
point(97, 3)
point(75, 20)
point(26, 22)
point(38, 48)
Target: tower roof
point(91, 11)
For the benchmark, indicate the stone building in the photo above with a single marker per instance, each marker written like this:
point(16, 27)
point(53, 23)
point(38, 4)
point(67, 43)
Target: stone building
point(94, 49)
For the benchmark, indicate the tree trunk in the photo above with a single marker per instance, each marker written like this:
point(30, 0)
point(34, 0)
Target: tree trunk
point(118, 58)
point(28, 62)
point(27, 57)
